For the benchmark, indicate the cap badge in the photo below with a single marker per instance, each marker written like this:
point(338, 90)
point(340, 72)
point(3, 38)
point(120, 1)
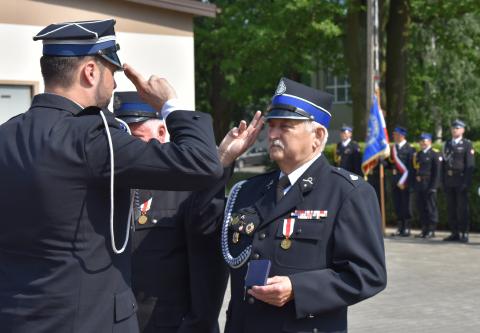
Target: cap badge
point(281, 88)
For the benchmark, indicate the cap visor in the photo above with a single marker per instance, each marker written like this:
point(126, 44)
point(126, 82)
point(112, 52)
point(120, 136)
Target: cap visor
point(284, 114)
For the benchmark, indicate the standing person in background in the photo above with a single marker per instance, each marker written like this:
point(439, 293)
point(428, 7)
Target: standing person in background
point(178, 273)
point(67, 168)
point(347, 154)
point(458, 165)
point(426, 163)
point(402, 179)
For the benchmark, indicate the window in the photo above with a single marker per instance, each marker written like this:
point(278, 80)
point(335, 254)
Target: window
point(15, 98)
point(339, 87)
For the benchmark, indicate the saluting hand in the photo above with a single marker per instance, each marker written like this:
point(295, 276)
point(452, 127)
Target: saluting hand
point(237, 140)
point(156, 91)
point(277, 292)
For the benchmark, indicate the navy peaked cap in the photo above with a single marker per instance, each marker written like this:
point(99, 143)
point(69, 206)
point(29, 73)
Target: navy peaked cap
point(346, 128)
point(425, 136)
point(75, 39)
point(401, 130)
point(129, 107)
point(458, 123)
point(293, 100)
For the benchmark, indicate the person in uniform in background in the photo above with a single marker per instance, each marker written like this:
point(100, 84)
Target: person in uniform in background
point(178, 273)
point(402, 179)
point(67, 168)
point(426, 163)
point(347, 154)
point(318, 227)
point(458, 165)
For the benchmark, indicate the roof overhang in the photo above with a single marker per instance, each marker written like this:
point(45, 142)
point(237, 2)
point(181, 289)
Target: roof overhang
point(196, 8)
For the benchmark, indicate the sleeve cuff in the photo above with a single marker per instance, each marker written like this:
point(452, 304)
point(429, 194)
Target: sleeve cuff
point(172, 105)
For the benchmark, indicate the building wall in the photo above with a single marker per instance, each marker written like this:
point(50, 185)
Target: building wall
point(153, 40)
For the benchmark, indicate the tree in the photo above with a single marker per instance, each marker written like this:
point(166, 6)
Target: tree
point(243, 52)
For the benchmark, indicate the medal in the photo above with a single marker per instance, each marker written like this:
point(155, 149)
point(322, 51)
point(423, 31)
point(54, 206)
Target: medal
point(235, 237)
point(249, 228)
point(142, 219)
point(288, 225)
point(286, 244)
point(144, 208)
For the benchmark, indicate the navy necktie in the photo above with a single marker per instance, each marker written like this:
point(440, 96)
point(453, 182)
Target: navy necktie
point(282, 184)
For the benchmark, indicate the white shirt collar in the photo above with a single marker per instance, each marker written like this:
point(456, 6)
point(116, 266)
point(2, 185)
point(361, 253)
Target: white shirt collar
point(402, 143)
point(457, 140)
point(346, 142)
point(298, 172)
point(427, 149)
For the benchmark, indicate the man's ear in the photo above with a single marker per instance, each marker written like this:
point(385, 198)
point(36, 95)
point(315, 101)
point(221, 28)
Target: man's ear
point(89, 72)
point(162, 133)
point(319, 136)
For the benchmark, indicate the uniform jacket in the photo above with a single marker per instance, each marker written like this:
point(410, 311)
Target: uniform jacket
point(427, 170)
point(179, 276)
point(405, 154)
point(334, 261)
point(458, 163)
point(349, 157)
point(58, 272)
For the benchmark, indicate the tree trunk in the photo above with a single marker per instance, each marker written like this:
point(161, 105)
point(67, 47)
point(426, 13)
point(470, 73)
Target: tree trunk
point(355, 55)
point(221, 106)
point(396, 78)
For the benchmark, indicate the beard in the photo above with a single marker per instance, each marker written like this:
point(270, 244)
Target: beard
point(103, 97)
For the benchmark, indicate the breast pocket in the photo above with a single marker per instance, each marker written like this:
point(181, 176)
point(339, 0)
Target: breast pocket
point(305, 246)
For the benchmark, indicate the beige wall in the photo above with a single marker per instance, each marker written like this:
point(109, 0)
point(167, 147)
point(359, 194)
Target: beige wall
point(154, 41)
point(130, 17)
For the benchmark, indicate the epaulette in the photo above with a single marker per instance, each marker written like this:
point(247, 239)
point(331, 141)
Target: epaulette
point(436, 150)
point(352, 178)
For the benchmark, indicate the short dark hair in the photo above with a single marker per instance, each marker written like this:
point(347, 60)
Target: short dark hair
point(59, 71)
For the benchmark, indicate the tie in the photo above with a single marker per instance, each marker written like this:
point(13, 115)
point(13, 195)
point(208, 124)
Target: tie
point(282, 184)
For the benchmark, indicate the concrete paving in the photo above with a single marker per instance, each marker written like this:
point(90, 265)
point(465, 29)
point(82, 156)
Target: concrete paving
point(433, 286)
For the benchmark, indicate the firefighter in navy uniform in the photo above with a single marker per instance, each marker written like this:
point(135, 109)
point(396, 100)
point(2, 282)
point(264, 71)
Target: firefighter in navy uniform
point(318, 225)
point(176, 235)
point(347, 154)
point(458, 165)
point(67, 168)
point(402, 180)
point(426, 163)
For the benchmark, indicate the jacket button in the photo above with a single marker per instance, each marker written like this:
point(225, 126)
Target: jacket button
point(256, 256)
point(133, 305)
point(315, 330)
point(251, 300)
point(262, 235)
point(299, 231)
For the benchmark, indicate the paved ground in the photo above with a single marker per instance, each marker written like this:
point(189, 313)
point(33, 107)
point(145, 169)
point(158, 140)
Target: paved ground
point(433, 286)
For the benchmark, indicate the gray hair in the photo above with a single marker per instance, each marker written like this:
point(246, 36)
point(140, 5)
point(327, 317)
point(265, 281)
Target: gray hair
point(312, 126)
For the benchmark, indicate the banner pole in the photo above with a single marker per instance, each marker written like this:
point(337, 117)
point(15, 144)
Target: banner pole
point(382, 197)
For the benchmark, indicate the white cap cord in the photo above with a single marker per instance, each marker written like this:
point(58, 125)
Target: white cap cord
point(112, 171)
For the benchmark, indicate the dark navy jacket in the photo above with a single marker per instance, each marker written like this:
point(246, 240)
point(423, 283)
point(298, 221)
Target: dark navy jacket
point(179, 276)
point(58, 272)
point(334, 261)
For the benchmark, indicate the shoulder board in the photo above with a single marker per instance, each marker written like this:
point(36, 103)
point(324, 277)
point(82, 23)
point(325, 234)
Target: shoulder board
point(435, 150)
point(352, 178)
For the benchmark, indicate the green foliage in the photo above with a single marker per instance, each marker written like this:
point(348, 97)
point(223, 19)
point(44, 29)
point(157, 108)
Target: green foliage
point(251, 44)
point(444, 65)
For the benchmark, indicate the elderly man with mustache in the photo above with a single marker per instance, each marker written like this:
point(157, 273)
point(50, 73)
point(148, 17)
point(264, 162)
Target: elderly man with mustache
point(303, 242)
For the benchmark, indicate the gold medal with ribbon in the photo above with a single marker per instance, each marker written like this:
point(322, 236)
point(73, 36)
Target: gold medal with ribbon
point(288, 225)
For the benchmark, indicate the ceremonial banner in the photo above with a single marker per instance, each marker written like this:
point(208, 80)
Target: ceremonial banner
point(377, 139)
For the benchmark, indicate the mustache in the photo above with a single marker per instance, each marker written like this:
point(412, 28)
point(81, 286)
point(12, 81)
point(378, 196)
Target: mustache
point(277, 143)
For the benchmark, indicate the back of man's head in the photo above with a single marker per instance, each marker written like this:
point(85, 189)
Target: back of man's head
point(60, 71)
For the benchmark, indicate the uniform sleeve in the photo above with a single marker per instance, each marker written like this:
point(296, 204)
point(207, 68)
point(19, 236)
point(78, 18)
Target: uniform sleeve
point(357, 270)
point(469, 164)
point(436, 172)
point(189, 162)
point(207, 206)
point(357, 160)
